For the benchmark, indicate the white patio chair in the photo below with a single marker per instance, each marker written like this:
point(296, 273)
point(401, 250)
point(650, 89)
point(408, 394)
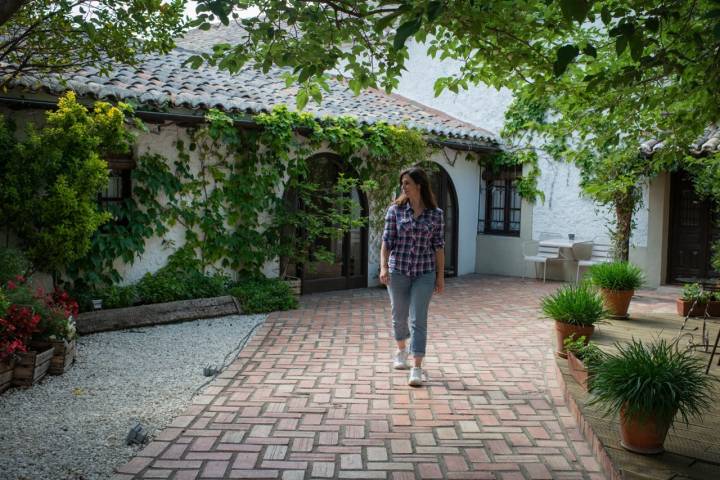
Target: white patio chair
point(542, 255)
point(601, 253)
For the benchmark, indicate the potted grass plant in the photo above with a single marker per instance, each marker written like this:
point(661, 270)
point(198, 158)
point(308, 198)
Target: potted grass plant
point(583, 357)
point(649, 384)
point(617, 282)
point(576, 309)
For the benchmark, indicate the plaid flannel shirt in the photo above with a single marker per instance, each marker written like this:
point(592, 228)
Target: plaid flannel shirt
point(412, 242)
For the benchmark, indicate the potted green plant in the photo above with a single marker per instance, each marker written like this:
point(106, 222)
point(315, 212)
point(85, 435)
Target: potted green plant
point(693, 300)
point(617, 282)
point(648, 385)
point(576, 309)
point(583, 357)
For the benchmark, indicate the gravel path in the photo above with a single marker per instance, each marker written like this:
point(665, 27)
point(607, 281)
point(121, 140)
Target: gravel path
point(74, 426)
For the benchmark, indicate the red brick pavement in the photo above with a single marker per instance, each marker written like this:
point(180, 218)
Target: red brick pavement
point(313, 395)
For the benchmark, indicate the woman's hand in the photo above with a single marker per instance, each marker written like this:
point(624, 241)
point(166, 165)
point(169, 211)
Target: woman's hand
point(439, 284)
point(384, 276)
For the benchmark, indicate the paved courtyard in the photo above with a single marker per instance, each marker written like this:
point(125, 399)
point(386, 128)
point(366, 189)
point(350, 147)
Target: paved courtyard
point(313, 395)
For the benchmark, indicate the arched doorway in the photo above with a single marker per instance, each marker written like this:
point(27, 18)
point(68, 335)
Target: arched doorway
point(446, 196)
point(346, 266)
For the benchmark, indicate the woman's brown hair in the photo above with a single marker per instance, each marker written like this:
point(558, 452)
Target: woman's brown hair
point(418, 176)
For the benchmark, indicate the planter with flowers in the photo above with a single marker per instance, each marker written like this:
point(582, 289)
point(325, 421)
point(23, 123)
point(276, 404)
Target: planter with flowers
point(17, 325)
point(42, 328)
point(57, 330)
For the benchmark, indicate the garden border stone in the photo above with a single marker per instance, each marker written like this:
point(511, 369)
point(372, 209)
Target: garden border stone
point(156, 313)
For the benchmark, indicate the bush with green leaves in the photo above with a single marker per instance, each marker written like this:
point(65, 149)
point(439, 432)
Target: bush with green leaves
point(617, 276)
point(262, 295)
point(588, 352)
point(13, 263)
point(116, 296)
point(693, 292)
point(654, 379)
point(167, 286)
point(51, 177)
point(574, 304)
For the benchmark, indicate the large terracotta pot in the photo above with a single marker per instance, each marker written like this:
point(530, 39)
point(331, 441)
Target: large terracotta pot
point(617, 301)
point(646, 436)
point(564, 330)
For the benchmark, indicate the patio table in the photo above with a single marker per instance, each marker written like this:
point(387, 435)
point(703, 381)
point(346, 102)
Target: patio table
point(565, 244)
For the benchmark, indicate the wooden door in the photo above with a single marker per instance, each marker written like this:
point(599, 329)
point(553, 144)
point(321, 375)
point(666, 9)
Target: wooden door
point(693, 229)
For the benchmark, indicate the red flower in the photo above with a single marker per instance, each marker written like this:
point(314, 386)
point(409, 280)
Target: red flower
point(11, 285)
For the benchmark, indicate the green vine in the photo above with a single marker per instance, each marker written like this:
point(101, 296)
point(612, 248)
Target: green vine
point(225, 188)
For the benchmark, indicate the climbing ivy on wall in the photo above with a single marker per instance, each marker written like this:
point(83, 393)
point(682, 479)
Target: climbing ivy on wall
point(230, 200)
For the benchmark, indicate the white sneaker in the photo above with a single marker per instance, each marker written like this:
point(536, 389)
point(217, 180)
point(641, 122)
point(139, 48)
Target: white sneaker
point(400, 360)
point(415, 379)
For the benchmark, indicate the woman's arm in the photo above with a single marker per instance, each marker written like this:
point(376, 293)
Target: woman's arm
point(439, 270)
point(384, 259)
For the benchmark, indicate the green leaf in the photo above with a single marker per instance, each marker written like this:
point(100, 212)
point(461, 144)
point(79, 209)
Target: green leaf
point(605, 15)
point(590, 50)
point(301, 99)
point(575, 9)
point(404, 31)
point(194, 61)
point(434, 9)
point(385, 21)
point(355, 86)
point(565, 55)
point(636, 47)
point(652, 24)
point(620, 45)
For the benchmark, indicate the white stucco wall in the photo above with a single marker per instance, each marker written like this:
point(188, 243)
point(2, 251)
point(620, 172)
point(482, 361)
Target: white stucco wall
point(564, 210)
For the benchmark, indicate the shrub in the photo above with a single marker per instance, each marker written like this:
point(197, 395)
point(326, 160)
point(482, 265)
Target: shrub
point(692, 292)
point(262, 295)
point(653, 379)
point(588, 352)
point(13, 263)
point(618, 276)
point(16, 329)
point(116, 296)
point(574, 304)
point(165, 286)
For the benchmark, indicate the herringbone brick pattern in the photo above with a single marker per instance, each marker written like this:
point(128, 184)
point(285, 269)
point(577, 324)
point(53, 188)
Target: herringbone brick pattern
point(313, 395)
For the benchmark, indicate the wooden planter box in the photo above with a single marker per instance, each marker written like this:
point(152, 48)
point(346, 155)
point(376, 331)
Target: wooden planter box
point(31, 367)
point(295, 285)
point(578, 370)
point(683, 308)
point(63, 354)
point(6, 374)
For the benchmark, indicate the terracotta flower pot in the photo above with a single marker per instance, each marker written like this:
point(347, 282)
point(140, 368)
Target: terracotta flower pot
point(644, 436)
point(617, 301)
point(683, 308)
point(564, 330)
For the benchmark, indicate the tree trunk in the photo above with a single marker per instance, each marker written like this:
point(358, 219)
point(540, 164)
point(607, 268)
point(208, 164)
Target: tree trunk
point(624, 208)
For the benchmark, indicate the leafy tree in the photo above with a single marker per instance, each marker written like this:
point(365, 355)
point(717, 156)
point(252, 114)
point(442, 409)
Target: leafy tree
point(51, 180)
point(43, 36)
point(612, 74)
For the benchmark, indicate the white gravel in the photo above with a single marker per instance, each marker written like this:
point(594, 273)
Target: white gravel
point(74, 426)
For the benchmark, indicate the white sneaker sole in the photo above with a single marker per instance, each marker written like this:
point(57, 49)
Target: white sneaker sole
point(398, 366)
point(415, 382)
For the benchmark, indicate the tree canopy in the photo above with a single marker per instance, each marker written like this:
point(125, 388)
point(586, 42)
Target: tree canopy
point(43, 36)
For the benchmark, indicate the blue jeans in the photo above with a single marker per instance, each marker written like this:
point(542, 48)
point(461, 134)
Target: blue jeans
point(410, 298)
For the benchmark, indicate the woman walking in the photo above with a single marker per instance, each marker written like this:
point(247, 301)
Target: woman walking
point(412, 264)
